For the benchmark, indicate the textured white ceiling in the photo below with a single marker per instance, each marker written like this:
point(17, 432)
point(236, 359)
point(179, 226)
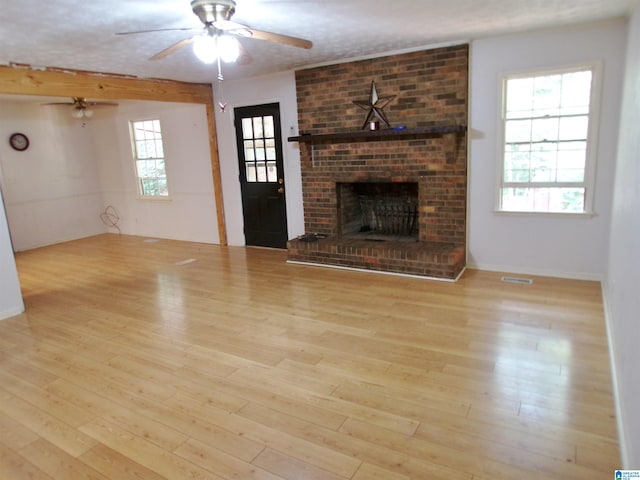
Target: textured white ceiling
point(81, 34)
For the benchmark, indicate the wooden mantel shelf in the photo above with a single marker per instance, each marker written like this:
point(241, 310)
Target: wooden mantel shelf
point(385, 134)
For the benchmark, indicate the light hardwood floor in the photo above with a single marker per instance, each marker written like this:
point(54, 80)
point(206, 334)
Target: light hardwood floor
point(131, 363)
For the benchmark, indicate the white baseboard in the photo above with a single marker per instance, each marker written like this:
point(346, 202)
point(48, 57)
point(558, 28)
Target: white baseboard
point(622, 438)
point(594, 277)
point(48, 243)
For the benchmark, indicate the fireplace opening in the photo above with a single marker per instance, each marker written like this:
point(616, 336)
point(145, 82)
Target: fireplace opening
point(378, 211)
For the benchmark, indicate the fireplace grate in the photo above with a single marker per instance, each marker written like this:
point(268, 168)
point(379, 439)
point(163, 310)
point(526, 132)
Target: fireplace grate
point(389, 216)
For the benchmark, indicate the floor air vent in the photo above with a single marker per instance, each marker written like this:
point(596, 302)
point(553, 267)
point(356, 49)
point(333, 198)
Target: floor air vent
point(521, 281)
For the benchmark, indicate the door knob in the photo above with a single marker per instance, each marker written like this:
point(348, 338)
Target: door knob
point(281, 190)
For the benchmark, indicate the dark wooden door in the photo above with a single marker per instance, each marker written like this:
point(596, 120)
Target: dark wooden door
point(259, 140)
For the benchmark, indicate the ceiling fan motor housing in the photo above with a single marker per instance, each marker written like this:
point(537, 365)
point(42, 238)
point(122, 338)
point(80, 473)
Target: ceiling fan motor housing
point(210, 11)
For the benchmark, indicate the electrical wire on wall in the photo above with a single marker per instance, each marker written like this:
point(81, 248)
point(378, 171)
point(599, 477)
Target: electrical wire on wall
point(110, 218)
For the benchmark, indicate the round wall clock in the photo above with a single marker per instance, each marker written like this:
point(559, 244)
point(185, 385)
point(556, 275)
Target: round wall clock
point(19, 141)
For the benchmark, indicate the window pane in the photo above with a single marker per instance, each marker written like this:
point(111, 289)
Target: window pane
point(519, 98)
point(571, 163)
point(518, 131)
point(546, 94)
point(141, 150)
point(576, 92)
point(516, 200)
point(544, 129)
point(555, 200)
point(162, 187)
point(543, 166)
point(150, 186)
point(517, 165)
point(160, 170)
point(159, 149)
point(566, 200)
point(574, 128)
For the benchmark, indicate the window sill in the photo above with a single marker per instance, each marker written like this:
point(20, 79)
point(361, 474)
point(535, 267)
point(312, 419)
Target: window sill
point(154, 199)
point(507, 213)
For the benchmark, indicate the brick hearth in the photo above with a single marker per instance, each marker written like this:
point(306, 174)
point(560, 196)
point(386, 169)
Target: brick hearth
point(431, 89)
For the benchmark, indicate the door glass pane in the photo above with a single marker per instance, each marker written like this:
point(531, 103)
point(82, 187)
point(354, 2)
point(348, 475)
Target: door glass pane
point(260, 153)
point(247, 129)
point(271, 149)
point(262, 172)
point(249, 153)
point(257, 127)
point(251, 172)
point(272, 172)
point(268, 127)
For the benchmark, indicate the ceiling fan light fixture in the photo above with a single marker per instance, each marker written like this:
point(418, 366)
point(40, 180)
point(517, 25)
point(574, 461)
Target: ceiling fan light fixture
point(87, 112)
point(207, 48)
point(77, 113)
point(204, 46)
point(228, 48)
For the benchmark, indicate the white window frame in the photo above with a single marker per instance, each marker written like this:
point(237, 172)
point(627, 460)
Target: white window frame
point(592, 137)
point(134, 153)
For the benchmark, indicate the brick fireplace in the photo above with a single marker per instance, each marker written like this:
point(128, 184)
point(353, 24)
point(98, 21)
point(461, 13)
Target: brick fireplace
point(387, 200)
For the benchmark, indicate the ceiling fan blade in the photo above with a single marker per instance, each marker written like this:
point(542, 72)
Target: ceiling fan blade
point(58, 103)
point(135, 32)
point(101, 104)
point(173, 48)
point(245, 57)
point(279, 38)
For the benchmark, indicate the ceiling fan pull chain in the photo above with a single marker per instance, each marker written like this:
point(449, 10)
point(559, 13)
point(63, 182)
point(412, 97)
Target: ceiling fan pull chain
point(221, 103)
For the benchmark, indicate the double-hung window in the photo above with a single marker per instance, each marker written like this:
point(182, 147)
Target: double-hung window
point(547, 122)
point(148, 153)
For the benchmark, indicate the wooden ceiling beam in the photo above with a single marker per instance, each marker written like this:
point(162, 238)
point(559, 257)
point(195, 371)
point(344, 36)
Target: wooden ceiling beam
point(25, 80)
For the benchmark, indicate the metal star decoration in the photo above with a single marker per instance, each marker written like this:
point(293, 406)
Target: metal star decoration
point(374, 106)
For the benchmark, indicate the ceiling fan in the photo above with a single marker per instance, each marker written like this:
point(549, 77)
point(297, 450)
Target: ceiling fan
point(81, 107)
point(217, 40)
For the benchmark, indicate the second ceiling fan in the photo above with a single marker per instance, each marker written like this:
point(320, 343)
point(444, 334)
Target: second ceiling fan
point(218, 41)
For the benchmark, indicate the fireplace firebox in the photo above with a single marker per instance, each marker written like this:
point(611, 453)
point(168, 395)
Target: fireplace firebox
point(378, 211)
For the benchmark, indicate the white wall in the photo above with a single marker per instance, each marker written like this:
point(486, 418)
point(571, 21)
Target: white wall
point(10, 295)
point(623, 276)
point(190, 214)
point(536, 244)
point(279, 88)
point(51, 189)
